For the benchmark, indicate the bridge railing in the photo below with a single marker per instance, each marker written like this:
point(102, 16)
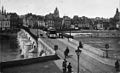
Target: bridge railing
point(42, 46)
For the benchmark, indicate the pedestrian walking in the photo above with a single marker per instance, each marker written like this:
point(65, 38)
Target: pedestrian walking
point(64, 65)
point(117, 65)
point(69, 67)
point(66, 52)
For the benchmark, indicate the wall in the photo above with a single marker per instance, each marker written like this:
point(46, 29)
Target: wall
point(27, 61)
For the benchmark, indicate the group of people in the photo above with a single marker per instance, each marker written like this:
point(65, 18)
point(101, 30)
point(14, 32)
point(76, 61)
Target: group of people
point(66, 52)
point(66, 68)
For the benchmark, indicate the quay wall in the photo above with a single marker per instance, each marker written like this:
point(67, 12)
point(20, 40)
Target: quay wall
point(27, 61)
point(97, 33)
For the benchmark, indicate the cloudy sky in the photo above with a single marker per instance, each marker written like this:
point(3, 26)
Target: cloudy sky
point(89, 8)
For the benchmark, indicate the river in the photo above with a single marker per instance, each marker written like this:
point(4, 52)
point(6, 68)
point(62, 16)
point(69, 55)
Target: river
point(8, 47)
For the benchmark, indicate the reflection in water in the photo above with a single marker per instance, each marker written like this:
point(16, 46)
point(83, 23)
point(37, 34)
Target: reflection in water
point(8, 48)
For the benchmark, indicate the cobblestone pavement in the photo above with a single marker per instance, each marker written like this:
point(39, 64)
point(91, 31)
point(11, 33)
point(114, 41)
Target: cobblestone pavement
point(87, 63)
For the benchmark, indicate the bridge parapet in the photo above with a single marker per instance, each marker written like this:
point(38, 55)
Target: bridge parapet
point(42, 50)
point(90, 48)
point(46, 47)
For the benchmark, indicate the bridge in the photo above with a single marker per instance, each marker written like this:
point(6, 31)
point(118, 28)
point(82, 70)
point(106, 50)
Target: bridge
point(90, 61)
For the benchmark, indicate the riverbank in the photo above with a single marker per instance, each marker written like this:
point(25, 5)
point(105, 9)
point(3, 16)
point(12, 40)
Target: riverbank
point(95, 33)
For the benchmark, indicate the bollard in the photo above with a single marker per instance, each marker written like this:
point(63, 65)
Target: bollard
point(106, 47)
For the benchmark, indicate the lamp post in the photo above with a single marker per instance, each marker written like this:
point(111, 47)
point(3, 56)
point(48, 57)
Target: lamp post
point(106, 47)
point(78, 52)
point(37, 38)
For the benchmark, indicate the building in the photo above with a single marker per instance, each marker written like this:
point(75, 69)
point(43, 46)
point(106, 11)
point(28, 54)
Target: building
point(74, 22)
point(100, 26)
point(84, 26)
point(51, 19)
point(66, 22)
point(40, 21)
point(29, 21)
point(24, 21)
point(58, 23)
point(118, 25)
point(33, 21)
point(4, 20)
point(117, 18)
point(14, 20)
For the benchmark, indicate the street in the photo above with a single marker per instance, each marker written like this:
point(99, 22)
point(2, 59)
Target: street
point(87, 63)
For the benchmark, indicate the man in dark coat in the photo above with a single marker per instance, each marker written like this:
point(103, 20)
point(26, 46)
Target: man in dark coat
point(66, 52)
point(117, 65)
point(69, 68)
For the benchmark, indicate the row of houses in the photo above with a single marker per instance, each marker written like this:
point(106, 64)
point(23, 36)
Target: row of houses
point(9, 21)
point(53, 20)
point(50, 20)
point(4, 20)
point(12, 20)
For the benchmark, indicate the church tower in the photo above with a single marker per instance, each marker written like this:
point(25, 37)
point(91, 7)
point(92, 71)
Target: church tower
point(56, 12)
point(117, 15)
point(117, 11)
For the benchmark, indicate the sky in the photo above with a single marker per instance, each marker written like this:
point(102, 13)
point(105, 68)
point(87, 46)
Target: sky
point(88, 8)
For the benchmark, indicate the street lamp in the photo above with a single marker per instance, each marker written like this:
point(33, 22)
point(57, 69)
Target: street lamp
point(106, 47)
point(78, 52)
point(37, 37)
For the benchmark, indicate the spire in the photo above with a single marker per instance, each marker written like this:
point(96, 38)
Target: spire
point(117, 11)
point(56, 9)
point(2, 9)
point(116, 17)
